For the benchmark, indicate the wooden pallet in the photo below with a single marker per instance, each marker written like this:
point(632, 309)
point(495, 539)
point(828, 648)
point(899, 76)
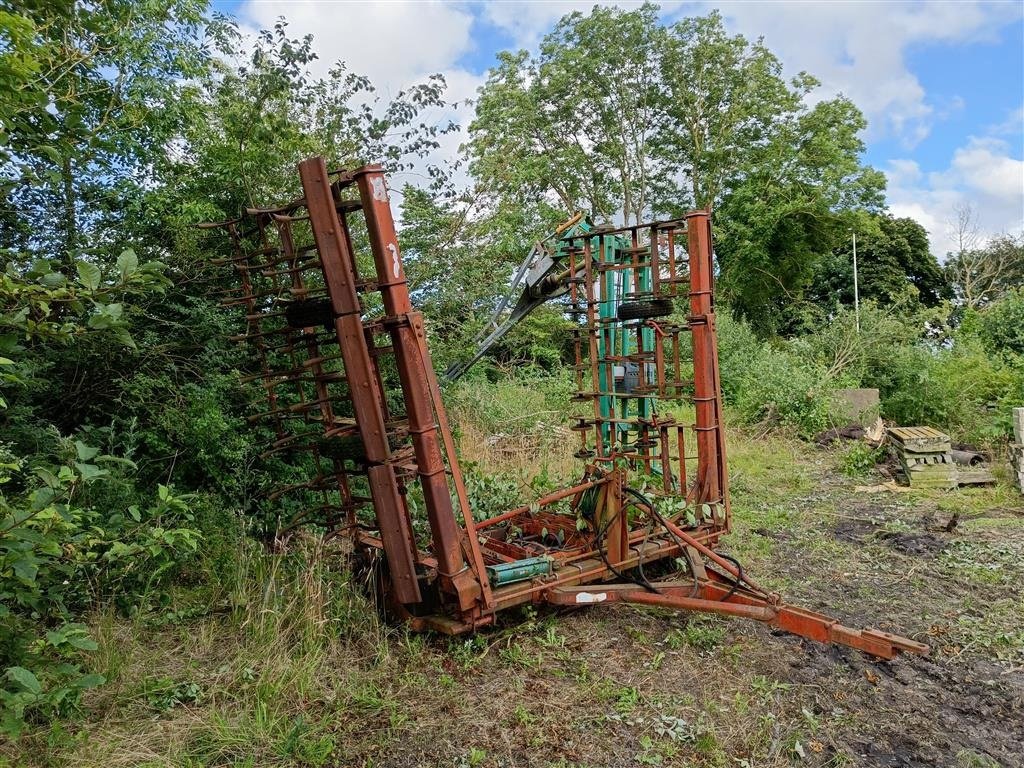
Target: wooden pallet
point(920, 440)
point(974, 477)
point(917, 459)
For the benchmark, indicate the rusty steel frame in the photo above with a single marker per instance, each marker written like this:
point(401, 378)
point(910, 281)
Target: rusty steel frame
point(316, 325)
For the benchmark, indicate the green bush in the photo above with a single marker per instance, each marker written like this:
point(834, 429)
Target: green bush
point(963, 381)
point(523, 403)
point(59, 555)
point(859, 459)
point(780, 385)
point(1001, 324)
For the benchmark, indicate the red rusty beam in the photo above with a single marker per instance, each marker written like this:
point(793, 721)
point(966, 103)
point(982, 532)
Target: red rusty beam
point(723, 460)
point(423, 429)
point(710, 597)
point(367, 399)
point(705, 395)
point(543, 501)
point(471, 538)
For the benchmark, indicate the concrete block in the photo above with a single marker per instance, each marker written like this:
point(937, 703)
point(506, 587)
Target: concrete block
point(858, 406)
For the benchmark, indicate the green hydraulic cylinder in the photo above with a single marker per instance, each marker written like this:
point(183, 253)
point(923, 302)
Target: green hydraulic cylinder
point(518, 570)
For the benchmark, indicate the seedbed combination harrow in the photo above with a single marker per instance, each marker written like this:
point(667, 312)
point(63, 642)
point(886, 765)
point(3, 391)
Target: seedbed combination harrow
point(351, 391)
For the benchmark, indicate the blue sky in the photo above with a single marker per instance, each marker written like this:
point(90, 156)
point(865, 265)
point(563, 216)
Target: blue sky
point(941, 83)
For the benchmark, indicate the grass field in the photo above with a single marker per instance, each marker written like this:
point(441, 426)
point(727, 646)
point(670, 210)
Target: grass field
point(286, 664)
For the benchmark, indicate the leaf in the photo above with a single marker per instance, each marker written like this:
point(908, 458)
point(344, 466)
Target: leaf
point(56, 637)
point(85, 452)
point(83, 643)
point(90, 471)
point(91, 681)
point(53, 280)
point(26, 569)
point(50, 152)
point(39, 267)
point(89, 274)
point(122, 335)
point(25, 679)
point(127, 263)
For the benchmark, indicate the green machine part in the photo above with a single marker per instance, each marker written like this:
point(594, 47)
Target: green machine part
point(620, 285)
point(518, 570)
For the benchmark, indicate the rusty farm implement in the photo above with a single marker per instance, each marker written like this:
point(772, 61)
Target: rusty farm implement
point(342, 356)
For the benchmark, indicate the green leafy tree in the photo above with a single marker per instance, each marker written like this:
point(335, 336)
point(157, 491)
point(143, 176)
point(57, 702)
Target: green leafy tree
point(626, 118)
point(250, 123)
point(90, 100)
point(999, 326)
point(893, 257)
point(725, 98)
point(791, 208)
point(582, 121)
point(89, 105)
point(459, 256)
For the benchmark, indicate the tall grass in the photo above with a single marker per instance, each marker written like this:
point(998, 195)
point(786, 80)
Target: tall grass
point(518, 425)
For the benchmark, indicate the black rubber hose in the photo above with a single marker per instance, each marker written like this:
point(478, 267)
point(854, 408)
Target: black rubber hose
point(641, 582)
point(734, 583)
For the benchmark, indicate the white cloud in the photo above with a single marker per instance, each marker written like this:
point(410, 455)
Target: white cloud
point(527, 22)
point(1013, 125)
point(859, 49)
point(982, 173)
point(395, 44)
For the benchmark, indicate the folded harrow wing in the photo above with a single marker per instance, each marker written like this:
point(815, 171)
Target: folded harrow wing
point(352, 397)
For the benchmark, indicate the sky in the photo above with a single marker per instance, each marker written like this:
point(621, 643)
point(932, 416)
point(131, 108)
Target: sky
point(941, 83)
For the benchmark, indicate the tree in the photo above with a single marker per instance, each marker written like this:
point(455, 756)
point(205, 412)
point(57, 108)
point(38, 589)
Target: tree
point(91, 95)
point(893, 256)
point(981, 273)
point(1001, 324)
point(790, 206)
point(724, 98)
point(249, 123)
point(625, 118)
point(582, 121)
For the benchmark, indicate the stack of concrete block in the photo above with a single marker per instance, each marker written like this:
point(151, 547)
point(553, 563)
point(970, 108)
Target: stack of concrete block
point(1017, 448)
point(926, 456)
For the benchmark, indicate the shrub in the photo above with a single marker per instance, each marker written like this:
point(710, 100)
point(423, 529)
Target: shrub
point(964, 381)
point(58, 554)
point(859, 459)
point(774, 384)
point(1001, 324)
